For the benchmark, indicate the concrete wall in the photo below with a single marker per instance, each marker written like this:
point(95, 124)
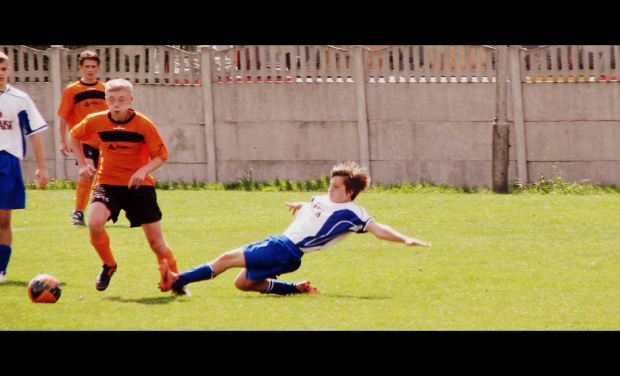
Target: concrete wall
point(410, 113)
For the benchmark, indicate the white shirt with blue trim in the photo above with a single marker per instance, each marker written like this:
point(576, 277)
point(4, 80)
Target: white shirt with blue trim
point(321, 223)
point(19, 118)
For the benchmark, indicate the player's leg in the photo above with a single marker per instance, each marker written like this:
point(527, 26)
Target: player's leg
point(12, 196)
point(142, 209)
point(155, 237)
point(83, 187)
point(273, 286)
point(264, 261)
point(98, 215)
point(203, 272)
point(82, 196)
point(244, 284)
point(6, 236)
point(268, 259)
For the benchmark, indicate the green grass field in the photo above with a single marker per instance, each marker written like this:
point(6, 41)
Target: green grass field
point(516, 262)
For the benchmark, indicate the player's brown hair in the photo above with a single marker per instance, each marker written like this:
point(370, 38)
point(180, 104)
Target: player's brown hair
point(356, 178)
point(89, 55)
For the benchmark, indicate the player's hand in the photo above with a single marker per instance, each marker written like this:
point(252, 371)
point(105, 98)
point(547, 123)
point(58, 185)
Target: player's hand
point(87, 172)
point(42, 178)
point(294, 206)
point(412, 241)
point(65, 149)
point(136, 179)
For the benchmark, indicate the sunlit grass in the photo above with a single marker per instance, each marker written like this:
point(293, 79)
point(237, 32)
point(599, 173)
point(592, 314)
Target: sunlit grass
point(523, 261)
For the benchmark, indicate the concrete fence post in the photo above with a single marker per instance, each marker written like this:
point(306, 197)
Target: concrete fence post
point(501, 126)
point(517, 108)
point(57, 89)
point(207, 98)
point(359, 77)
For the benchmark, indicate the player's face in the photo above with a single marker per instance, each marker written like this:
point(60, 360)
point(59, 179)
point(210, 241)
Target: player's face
point(118, 102)
point(90, 70)
point(5, 71)
point(338, 191)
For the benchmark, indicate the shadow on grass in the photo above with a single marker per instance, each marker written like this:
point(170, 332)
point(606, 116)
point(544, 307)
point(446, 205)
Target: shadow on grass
point(157, 300)
point(14, 283)
point(25, 284)
point(357, 297)
point(327, 295)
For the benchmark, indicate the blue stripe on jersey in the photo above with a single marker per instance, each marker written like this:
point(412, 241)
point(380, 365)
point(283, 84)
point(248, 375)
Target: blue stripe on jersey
point(339, 223)
point(24, 124)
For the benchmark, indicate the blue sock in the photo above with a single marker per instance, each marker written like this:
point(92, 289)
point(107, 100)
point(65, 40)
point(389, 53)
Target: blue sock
point(281, 288)
point(5, 255)
point(199, 273)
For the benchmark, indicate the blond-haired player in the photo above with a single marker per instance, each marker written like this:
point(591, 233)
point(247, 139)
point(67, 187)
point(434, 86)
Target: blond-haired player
point(131, 148)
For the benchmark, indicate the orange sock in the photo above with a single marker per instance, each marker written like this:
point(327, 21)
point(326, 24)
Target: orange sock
point(102, 246)
point(82, 194)
point(172, 261)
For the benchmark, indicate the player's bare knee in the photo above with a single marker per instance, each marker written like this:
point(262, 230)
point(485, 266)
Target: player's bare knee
point(243, 284)
point(158, 246)
point(95, 228)
point(5, 219)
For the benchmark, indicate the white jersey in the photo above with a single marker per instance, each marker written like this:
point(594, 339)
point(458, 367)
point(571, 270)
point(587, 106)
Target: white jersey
point(19, 117)
point(321, 223)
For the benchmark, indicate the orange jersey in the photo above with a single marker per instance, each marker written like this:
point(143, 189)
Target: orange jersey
point(124, 146)
point(80, 99)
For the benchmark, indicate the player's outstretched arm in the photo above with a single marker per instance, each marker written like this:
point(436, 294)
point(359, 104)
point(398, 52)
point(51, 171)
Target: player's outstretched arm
point(385, 232)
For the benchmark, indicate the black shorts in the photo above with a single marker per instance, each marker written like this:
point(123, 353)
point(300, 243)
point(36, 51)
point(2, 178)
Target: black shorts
point(90, 152)
point(140, 204)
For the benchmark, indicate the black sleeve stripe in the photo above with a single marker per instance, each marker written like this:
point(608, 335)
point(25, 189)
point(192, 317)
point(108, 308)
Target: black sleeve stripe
point(120, 136)
point(91, 94)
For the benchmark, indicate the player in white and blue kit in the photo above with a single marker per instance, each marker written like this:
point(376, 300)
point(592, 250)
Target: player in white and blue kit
point(318, 224)
point(19, 118)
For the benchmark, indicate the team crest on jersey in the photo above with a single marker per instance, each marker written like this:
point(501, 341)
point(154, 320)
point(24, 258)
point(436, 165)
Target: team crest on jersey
point(118, 147)
point(316, 210)
point(6, 124)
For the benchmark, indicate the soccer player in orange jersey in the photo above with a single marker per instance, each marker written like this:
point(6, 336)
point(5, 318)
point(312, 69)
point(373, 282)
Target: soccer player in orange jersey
point(131, 148)
point(80, 98)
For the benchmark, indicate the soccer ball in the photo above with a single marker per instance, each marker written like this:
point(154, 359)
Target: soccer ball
point(44, 288)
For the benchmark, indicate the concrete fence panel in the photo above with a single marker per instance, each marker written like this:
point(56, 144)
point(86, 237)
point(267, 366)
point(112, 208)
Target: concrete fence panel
point(410, 113)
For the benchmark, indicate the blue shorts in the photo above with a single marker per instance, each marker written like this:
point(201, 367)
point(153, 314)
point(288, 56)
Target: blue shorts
point(12, 189)
point(268, 259)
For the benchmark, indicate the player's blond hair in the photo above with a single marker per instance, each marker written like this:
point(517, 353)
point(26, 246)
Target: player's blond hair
point(356, 178)
point(119, 84)
point(3, 57)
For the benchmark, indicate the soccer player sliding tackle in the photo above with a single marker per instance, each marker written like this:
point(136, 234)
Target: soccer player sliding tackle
point(318, 224)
